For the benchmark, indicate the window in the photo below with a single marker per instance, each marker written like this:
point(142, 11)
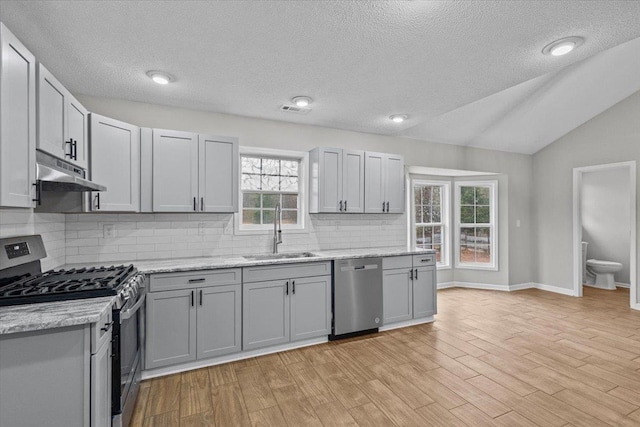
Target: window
point(430, 219)
point(476, 230)
point(268, 177)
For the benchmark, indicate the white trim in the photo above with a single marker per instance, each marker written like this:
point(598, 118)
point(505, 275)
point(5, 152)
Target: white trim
point(412, 322)
point(577, 228)
point(506, 288)
point(623, 285)
point(446, 285)
point(555, 289)
point(174, 369)
point(303, 180)
point(445, 216)
point(493, 186)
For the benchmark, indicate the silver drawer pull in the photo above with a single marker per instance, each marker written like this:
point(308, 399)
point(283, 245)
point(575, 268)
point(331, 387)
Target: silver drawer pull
point(201, 279)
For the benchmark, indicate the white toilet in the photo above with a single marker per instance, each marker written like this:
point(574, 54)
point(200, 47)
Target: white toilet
point(603, 271)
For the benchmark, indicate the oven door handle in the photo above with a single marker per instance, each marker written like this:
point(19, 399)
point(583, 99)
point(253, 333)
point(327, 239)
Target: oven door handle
point(130, 312)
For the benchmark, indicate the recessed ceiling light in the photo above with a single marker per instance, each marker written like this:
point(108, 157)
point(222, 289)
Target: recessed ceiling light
point(160, 77)
point(302, 101)
point(398, 118)
point(562, 46)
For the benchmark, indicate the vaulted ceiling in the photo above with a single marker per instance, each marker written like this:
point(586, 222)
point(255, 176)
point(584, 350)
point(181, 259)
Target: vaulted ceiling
point(465, 72)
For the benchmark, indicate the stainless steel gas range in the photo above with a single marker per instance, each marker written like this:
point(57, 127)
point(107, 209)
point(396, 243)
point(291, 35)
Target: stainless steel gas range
point(23, 282)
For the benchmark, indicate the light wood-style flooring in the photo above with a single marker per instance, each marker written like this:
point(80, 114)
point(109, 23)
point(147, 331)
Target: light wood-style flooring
point(527, 358)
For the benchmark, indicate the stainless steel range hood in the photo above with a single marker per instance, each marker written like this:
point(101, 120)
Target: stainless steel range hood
point(54, 174)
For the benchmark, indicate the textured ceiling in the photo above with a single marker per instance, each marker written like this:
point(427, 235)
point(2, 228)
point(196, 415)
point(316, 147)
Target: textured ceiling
point(467, 73)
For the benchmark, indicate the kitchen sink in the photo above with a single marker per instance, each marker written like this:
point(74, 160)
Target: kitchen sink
point(292, 255)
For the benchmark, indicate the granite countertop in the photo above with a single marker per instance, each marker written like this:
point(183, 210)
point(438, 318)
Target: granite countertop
point(211, 263)
point(49, 315)
point(32, 317)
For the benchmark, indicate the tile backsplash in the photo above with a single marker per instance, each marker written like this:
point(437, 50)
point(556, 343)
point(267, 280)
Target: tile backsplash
point(19, 222)
point(129, 237)
point(104, 238)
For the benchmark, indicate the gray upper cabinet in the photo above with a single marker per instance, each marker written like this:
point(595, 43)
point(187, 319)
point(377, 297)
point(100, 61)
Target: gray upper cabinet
point(175, 171)
point(171, 332)
point(62, 121)
point(397, 296)
point(194, 173)
point(115, 143)
point(265, 314)
point(17, 122)
point(384, 183)
point(218, 174)
point(337, 180)
point(219, 317)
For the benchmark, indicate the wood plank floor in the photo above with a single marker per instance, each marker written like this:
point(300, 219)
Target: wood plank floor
point(527, 358)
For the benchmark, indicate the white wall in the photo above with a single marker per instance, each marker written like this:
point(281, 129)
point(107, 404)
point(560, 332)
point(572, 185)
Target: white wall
point(613, 136)
point(606, 219)
point(21, 222)
point(274, 134)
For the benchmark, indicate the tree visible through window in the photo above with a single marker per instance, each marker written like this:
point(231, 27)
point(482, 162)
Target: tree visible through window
point(476, 227)
point(430, 221)
point(266, 182)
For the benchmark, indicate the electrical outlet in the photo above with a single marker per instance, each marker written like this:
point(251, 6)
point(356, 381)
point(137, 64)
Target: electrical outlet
point(201, 228)
point(109, 231)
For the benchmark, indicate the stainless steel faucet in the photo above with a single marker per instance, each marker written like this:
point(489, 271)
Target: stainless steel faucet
point(277, 227)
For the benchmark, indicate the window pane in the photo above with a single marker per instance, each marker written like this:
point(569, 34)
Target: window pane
point(466, 214)
point(267, 216)
point(467, 196)
point(250, 182)
point(420, 236)
point(467, 245)
point(250, 216)
point(289, 167)
point(482, 196)
point(437, 234)
point(435, 198)
point(289, 201)
point(289, 217)
point(289, 183)
point(270, 183)
point(426, 195)
point(428, 235)
point(436, 212)
point(482, 215)
point(426, 214)
point(270, 167)
point(250, 165)
point(483, 245)
point(417, 194)
point(269, 200)
point(418, 214)
point(251, 200)
point(438, 249)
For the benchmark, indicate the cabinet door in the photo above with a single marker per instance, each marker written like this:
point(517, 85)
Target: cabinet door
point(353, 181)
point(310, 307)
point(219, 320)
point(218, 174)
point(424, 292)
point(171, 328)
point(329, 180)
point(374, 182)
point(101, 386)
point(396, 296)
point(17, 121)
point(115, 163)
point(394, 183)
point(77, 131)
point(265, 314)
point(175, 171)
point(52, 119)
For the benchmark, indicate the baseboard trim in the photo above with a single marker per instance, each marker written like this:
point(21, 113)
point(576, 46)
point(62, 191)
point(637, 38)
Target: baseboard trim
point(623, 285)
point(174, 369)
point(507, 288)
point(406, 323)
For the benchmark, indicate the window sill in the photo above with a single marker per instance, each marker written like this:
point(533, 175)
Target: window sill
point(443, 267)
point(477, 267)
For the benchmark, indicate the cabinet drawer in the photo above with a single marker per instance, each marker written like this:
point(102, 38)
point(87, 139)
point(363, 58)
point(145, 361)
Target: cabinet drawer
point(101, 331)
point(403, 261)
point(194, 279)
point(422, 260)
point(278, 272)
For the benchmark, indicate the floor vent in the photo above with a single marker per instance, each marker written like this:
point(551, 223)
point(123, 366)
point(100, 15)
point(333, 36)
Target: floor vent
point(295, 109)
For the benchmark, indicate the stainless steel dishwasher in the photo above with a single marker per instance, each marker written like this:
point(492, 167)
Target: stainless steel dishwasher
point(357, 297)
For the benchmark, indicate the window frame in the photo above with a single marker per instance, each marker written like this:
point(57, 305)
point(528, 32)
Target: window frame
point(303, 158)
point(493, 226)
point(445, 216)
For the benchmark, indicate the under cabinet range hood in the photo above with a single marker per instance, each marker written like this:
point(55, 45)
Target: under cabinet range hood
point(53, 174)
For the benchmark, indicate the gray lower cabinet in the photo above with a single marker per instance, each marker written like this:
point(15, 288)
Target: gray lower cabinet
point(101, 386)
point(409, 288)
point(189, 324)
point(285, 310)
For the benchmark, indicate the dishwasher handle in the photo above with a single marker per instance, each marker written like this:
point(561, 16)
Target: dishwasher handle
point(359, 267)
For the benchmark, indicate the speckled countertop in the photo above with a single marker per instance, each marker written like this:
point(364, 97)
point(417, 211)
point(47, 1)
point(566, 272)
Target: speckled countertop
point(31, 317)
point(49, 315)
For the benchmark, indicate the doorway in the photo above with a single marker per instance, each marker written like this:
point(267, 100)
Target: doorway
point(578, 183)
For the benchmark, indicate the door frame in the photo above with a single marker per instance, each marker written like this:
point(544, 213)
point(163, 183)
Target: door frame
point(577, 227)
